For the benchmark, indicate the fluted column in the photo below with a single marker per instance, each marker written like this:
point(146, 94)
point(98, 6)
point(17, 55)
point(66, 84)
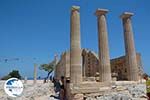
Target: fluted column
point(104, 59)
point(75, 47)
point(129, 46)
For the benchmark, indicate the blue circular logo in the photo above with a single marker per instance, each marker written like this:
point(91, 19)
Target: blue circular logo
point(13, 87)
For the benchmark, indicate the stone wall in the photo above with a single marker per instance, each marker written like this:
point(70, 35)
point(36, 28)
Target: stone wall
point(118, 65)
point(63, 66)
point(121, 91)
point(90, 65)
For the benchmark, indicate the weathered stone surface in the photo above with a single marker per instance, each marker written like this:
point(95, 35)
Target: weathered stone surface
point(104, 59)
point(130, 47)
point(137, 91)
point(75, 47)
point(114, 97)
point(90, 87)
point(127, 92)
point(89, 79)
point(78, 97)
point(38, 91)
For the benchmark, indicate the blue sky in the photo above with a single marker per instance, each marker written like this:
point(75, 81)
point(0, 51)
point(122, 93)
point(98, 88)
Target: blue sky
point(40, 28)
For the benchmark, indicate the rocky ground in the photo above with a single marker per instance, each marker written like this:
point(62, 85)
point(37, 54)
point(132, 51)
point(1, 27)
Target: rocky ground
point(42, 91)
point(122, 92)
point(38, 91)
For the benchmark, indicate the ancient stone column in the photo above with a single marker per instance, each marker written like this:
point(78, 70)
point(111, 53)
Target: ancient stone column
point(75, 47)
point(104, 59)
point(35, 73)
point(129, 46)
point(25, 80)
point(56, 61)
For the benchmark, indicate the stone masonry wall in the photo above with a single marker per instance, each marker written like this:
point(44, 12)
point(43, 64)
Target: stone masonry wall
point(121, 91)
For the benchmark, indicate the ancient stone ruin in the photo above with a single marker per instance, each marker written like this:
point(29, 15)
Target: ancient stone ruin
point(88, 75)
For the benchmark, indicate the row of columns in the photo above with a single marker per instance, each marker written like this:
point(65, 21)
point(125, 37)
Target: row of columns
point(104, 63)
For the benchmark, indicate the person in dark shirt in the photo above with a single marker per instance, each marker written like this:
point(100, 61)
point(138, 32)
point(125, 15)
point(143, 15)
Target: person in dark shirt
point(56, 85)
point(57, 89)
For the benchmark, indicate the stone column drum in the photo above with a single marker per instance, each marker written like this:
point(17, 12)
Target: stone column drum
point(75, 47)
point(129, 47)
point(104, 59)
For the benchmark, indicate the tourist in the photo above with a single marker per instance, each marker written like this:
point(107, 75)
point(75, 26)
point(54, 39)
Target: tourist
point(57, 88)
point(56, 85)
point(61, 95)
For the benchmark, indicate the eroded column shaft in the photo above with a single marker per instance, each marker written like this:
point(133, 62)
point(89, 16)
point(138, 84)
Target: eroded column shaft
point(104, 59)
point(75, 47)
point(130, 51)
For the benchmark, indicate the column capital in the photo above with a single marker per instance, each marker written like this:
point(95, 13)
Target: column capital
point(100, 12)
point(126, 15)
point(75, 8)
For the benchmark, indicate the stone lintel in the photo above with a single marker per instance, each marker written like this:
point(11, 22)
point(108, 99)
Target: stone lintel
point(90, 87)
point(126, 15)
point(125, 82)
point(101, 12)
point(75, 8)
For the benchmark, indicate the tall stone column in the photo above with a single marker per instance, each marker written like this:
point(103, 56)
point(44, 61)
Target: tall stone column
point(35, 73)
point(104, 59)
point(129, 46)
point(75, 47)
